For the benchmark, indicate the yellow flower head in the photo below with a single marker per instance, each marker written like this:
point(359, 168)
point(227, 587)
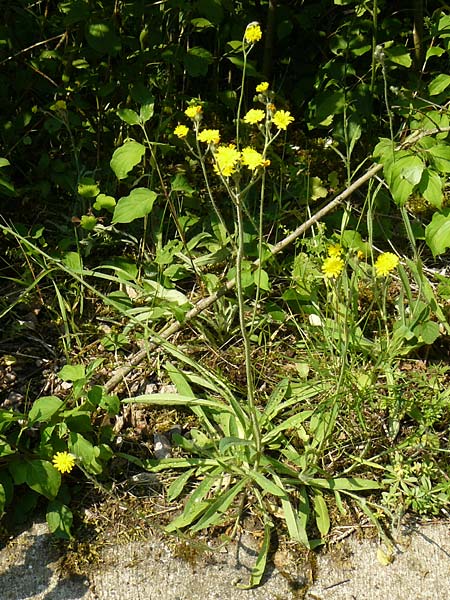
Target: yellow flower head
point(253, 159)
point(209, 136)
point(332, 266)
point(253, 33)
point(262, 87)
point(334, 250)
point(181, 131)
point(385, 263)
point(254, 115)
point(193, 111)
point(227, 159)
point(64, 462)
point(282, 118)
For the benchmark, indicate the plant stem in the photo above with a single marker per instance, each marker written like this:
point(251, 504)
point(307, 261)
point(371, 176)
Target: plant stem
point(245, 337)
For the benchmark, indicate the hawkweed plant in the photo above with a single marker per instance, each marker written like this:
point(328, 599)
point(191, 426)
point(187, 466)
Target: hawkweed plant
point(240, 455)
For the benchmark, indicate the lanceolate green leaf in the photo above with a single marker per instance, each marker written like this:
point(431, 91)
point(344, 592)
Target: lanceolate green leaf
point(321, 512)
point(136, 205)
point(217, 509)
point(196, 504)
point(176, 400)
point(260, 564)
point(352, 484)
point(177, 486)
point(439, 84)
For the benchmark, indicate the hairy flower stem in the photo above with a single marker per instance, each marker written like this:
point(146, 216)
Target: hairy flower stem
point(245, 337)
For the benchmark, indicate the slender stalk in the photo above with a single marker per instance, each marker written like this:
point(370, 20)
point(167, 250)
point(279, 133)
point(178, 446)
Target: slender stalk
point(245, 337)
point(208, 189)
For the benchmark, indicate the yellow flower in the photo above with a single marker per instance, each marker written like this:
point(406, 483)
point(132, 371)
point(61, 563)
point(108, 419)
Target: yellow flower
point(64, 462)
point(254, 115)
point(385, 263)
point(193, 111)
point(209, 136)
point(253, 159)
point(181, 131)
point(282, 118)
point(332, 266)
point(334, 250)
point(253, 33)
point(227, 159)
point(262, 87)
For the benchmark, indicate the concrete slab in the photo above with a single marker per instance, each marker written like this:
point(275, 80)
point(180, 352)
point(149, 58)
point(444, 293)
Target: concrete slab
point(149, 570)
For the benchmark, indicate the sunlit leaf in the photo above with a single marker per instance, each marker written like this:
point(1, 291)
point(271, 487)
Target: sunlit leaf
point(126, 157)
point(437, 233)
point(137, 204)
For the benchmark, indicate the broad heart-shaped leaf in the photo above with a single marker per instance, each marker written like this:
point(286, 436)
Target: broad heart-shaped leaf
point(428, 332)
point(439, 84)
point(430, 187)
point(72, 372)
point(197, 61)
point(146, 112)
point(102, 38)
point(44, 408)
point(403, 173)
point(437, 233)
point(43, 478)
point(129, 116)
point(441, 157)
point(138, 204)
point(399, 55)
point(81, 447)
point(126, 157)
point(59, 519)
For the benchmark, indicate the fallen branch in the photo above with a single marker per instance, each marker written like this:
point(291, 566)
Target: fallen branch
point(204, 303)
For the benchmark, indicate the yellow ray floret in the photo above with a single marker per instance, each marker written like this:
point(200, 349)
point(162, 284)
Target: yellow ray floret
point(181, 131)
point(193, 111)
point(253, 159)
point(253, 33)
point(209, 136)
point(226, 160)
point(332, 267)
point(254, 115)
point(262, 87)
point(282, 118)
point(385, 263)
point(64, 462)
